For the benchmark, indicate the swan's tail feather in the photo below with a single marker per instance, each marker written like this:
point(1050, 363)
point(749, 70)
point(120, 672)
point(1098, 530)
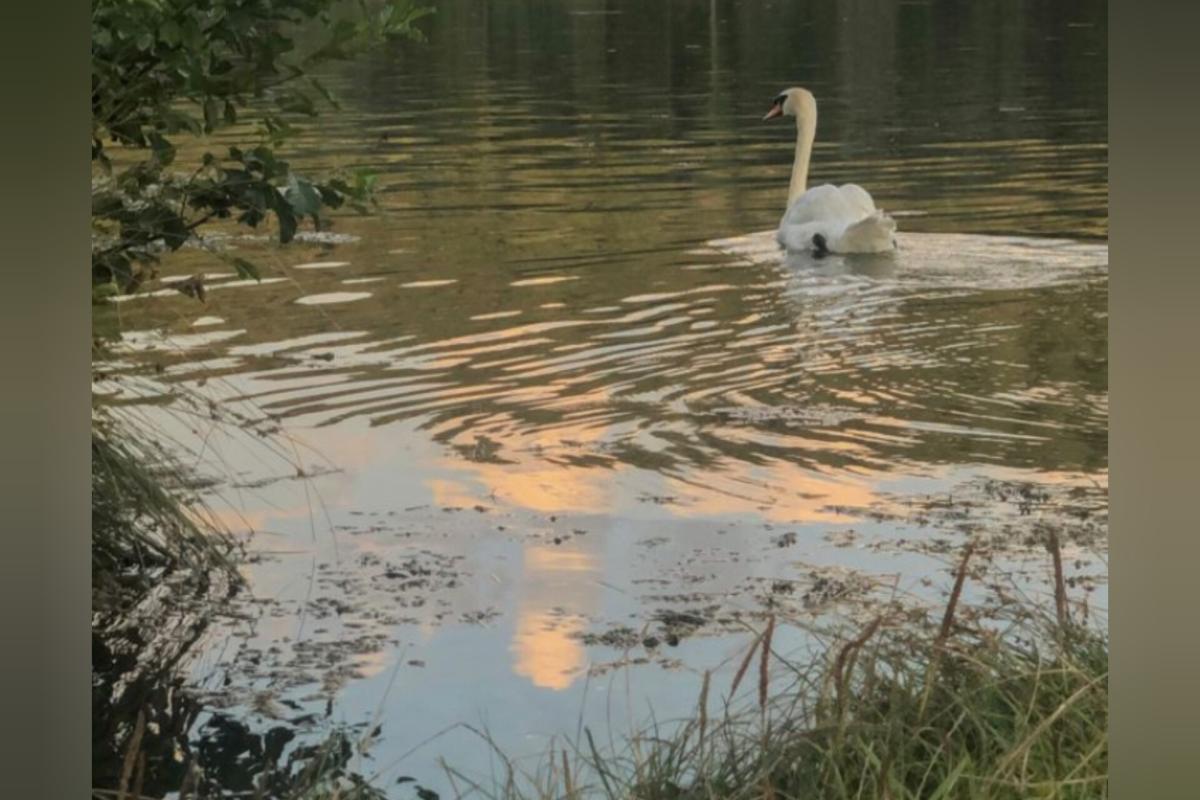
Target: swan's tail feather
point(872, 234)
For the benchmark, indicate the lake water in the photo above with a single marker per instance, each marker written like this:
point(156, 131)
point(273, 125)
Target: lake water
point(563, 394)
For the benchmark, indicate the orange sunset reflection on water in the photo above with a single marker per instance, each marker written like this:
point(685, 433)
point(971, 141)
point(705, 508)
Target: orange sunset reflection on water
point(558, 591)
point(560, 588)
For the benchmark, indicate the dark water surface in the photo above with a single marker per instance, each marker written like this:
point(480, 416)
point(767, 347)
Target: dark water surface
point(568, 384)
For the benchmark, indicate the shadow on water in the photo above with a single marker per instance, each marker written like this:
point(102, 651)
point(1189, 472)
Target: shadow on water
point(128, 696)
point(155, 735)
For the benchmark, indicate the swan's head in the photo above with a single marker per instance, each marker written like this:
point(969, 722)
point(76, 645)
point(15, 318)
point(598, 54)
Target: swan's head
point(794, 102)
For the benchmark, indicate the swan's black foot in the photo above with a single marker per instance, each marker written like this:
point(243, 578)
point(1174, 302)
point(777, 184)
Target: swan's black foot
point(820, 248)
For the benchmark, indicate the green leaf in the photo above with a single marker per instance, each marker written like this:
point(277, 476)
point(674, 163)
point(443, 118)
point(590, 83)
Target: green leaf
point(277, 129)
point(174, 231)
point(211, 114)
point(164, 151)
point(245, 269)
point(101, 292)
point(297, 103)
point(105, 204)
point(263, 159)
point(287, 220)
point(173, 120)
point(324, 92)
point(951, 782)
point(330, 197)
point(304, 199)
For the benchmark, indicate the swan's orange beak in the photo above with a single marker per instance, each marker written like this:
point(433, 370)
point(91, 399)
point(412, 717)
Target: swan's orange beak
point(776, 110)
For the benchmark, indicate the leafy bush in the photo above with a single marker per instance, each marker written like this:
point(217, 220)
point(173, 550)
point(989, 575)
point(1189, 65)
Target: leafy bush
point(166, 69)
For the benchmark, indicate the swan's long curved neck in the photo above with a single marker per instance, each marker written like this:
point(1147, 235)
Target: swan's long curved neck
point(806, 131)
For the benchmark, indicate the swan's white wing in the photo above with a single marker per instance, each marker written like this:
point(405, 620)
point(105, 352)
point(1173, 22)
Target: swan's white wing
point(846, 204)
point(817, 204)
point(845, 216)
point(871, 234)
point(857, 199)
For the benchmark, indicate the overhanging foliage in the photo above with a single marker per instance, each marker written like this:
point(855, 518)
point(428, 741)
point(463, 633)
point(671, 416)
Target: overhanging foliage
point(164, 70)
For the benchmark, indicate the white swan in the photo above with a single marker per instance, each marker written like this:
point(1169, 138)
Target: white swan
point(824, 219)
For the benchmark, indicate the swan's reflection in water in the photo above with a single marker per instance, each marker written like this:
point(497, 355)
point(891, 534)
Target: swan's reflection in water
point(876, 266)
point(922, 260)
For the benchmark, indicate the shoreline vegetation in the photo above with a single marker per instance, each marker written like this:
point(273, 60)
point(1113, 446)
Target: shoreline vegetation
point(915, 704)
point(164, 76)
point(1006, 705)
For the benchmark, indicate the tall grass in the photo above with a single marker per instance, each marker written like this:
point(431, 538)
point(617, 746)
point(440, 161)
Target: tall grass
point(141, 525)
point(932, 709)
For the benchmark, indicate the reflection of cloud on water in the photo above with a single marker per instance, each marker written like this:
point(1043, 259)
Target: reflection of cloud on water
point(510, 476)
point(557, 590)
point(780, 493)
point(557, 594)
point(546, 649)
point(777, 491)
point(534, 486)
